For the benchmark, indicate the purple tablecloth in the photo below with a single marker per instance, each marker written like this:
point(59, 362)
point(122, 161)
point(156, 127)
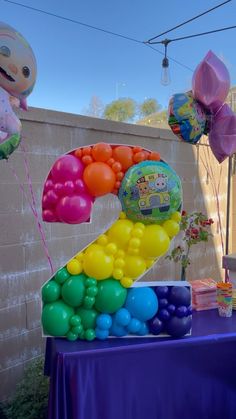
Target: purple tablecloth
point(189, 378)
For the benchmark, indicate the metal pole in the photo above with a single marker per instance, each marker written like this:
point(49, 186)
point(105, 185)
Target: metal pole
point(228, 206)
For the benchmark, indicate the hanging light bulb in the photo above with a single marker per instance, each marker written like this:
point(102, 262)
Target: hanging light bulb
point(165, 73)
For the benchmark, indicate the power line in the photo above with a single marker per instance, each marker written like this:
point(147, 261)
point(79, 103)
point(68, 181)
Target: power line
point(194, 35)
point(92, 27)
point(189, 20)
point(172, 59)
point(96, 28)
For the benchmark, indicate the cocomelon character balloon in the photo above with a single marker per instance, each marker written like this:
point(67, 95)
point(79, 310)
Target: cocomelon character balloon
point(187, 117)
point(17, 79)
point(188, 111)
point(88, 297)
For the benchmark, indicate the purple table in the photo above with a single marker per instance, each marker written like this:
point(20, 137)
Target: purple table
point(189, 378)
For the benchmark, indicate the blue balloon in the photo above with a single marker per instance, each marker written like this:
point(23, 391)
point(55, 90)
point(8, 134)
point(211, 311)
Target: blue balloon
point(117, 330)
point(177, 327)
point(144, 330)
point(104, 321)
point(134, 326)
point(142, 303)
point(171, 308)
point(122, 317)
point(101, 334)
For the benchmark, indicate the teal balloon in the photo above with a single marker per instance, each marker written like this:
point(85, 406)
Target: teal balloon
point(110, 297)
point(62, 275)
point(150, 192)
point(73, 290)
point(88, 317)
point(51, 292)
point(56, 318)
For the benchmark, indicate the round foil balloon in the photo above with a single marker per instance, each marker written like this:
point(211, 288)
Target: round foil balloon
point(187, 118)
point(150, 192)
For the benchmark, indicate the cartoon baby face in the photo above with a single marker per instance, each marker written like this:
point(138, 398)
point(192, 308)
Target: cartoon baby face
point(143, 188)
point(17, 63)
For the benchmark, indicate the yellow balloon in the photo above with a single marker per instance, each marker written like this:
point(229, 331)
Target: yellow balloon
point(97, 264)
point(102, 240)
point(118, 273)
point(171, 227)
point(155, 241)
point(176, 216)
point(74, 267)
point(126, 282)
point(134, 266)
point(120, 232)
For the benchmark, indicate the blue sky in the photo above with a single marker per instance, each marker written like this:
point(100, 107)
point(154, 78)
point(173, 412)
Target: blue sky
point(75, 63)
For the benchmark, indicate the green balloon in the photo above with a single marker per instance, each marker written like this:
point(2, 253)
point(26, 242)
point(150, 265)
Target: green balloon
point(9, 145)
point(62, 275)
point(88, 317)
point(73, 290)
point(90, 282)
point(72, 336)
point(77, 329)
point(89, 334)
point(56, 318)
point(89, 302)
point(92, 291)
point(51, 292)
point(111, 296)
point(75, 320)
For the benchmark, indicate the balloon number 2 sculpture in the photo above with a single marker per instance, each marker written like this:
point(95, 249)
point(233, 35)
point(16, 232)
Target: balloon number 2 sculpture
point(94, 295)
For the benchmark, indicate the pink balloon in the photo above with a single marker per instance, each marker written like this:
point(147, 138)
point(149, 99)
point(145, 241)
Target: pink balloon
point(211, 82)
point(222, 137)
point(74, 209)
point(67, 167)
point(49, 216)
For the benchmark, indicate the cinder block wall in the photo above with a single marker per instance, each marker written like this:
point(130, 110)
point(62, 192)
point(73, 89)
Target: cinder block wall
point(24, 267)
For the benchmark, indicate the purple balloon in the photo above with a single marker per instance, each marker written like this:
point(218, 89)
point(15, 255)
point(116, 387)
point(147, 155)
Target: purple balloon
point(177, 327)
point(155, 326)
point(180, 296)
point(222, 137)
point(162, 291)
point(211, 82)
point(163, 314)
point(163, 302)
point(181, 311)
point(171, 308)
point(74, 209)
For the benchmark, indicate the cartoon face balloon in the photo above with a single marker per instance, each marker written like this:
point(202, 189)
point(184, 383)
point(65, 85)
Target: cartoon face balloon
point(17, 64)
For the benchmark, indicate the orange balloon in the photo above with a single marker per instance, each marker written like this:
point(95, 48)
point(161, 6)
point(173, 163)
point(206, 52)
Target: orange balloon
point(86, 151)
point(102, 152)
point(99, 178)
point(78, 152)
point(87, 160)
point(154, 155)
point(140, 156)
point(124, 155)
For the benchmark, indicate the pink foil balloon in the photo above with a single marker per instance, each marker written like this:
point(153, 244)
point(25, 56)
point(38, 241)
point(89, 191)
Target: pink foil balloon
point(67, 167)
point(74, 209)
point(211, 82)
point(222, 137)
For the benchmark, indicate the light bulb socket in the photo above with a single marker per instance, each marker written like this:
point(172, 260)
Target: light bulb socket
point(165, 62)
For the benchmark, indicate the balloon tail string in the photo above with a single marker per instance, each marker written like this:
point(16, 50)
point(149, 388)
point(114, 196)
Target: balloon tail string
point(40, 229)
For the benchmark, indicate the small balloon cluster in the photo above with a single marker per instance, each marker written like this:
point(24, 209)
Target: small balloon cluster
point(17, 79)
point(97, 278)
point(90, 309)
point(202, 110)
